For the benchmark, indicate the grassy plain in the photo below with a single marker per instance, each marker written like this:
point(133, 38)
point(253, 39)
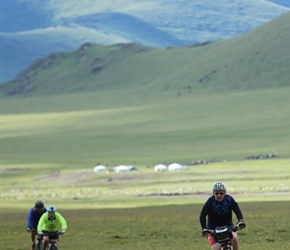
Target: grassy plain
point(49, 146)
point(48, 152)
point(79, 131)
point(148, 210)
point(172, 227)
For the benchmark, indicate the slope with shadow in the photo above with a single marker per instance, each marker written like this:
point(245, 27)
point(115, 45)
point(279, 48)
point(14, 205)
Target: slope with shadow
point(102, 28)
point(124, 25)
point(257, 59)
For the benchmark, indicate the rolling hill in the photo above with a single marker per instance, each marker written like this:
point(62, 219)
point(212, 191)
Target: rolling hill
point(132, 104)
point(257, 59)
point(33, 29)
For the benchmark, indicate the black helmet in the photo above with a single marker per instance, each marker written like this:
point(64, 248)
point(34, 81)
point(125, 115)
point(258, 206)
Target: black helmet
point(39, 204)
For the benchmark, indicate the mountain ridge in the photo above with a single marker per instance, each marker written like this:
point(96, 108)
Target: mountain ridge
point(55, 26)
point(257, 59)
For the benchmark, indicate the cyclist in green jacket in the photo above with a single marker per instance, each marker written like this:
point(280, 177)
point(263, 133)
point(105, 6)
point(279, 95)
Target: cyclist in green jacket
point(51, 222)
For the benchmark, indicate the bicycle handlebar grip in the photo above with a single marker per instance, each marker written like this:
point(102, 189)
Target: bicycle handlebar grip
point(241, 225)
point(205, 232)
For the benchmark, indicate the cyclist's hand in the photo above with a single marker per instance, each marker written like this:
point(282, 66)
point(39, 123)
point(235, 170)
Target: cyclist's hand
point(28, 229)
point(40, 233)
point(205, 232)
point(241, 224)
point(62, 231)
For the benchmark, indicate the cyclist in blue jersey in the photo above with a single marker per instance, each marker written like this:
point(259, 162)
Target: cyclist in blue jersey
point(34, 215)
point(217, 212)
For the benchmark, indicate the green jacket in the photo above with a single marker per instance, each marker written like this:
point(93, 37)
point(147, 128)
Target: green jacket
point(44, 224)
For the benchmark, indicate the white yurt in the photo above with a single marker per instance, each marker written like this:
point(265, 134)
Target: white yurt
point(100, 168)
point(160, 168)
point(176, 167)
point(122, 168)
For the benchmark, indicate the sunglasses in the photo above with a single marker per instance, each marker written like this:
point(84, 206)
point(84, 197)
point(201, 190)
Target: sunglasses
point(219, 193)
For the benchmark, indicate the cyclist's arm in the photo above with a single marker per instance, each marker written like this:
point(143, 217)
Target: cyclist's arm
point(202, 216)
point(30, 219)
point(237, 211)
point(62, 222)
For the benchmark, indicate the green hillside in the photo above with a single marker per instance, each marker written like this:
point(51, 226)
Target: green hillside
point(255, 60)
point(130, 104)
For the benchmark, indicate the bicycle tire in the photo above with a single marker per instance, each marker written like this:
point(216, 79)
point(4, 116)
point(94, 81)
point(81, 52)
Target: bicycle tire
point(53, 247)
point(38, 245)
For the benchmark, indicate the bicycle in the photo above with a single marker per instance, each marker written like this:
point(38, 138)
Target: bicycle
point(223, 236)
point(52, 243)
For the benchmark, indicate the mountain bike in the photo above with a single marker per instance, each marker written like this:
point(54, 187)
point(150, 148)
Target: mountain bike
point(52, 243)
point(223, 236)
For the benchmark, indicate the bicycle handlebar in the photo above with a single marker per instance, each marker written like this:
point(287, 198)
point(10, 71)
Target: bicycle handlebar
point(212, 231)
point(51, 233)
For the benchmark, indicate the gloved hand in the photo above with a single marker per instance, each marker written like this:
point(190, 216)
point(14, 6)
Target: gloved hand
point(241, 224)
point(40, 233)
point(62, 231)
point(205, 232)
point(28, 229)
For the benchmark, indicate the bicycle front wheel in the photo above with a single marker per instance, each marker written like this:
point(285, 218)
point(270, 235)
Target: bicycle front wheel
point(38, 246)
point(227, 247)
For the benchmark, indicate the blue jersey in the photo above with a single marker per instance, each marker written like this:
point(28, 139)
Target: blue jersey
point(33, 218)
point(219, 213)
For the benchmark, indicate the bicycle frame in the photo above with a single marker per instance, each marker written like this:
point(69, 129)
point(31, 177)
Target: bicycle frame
point(52, 243)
